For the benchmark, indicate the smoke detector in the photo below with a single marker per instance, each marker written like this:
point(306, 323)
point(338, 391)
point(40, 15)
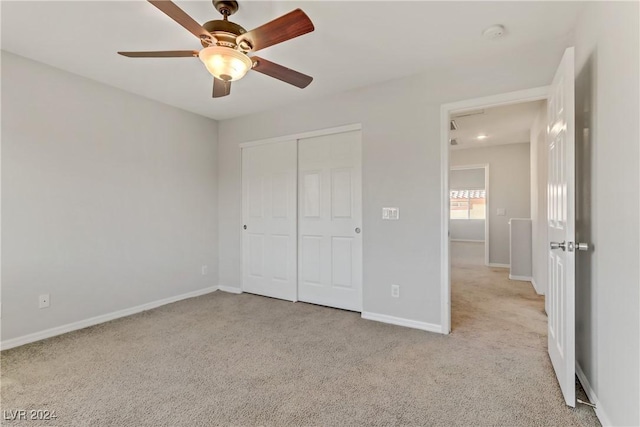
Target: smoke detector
point(494, 32)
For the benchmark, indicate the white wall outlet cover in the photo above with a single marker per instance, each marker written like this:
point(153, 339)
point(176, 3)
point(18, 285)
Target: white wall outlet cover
point(391, 213)
point(501, 212)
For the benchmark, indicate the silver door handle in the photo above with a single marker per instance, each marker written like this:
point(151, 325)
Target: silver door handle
point(556, 245)
point(357, 230)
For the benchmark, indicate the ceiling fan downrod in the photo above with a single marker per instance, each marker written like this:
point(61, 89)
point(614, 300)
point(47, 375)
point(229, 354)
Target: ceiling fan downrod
point(226, 7)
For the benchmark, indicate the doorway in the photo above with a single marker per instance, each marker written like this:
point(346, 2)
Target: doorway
point(560, 218)
point(448, 124)
point(490, 232)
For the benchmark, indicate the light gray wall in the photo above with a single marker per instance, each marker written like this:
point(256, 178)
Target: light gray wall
point(401, 167)
point(540, 251)
point(520, 246)
point(607, 151)
point(466, 179)
point(466, 229)
point(508, 188)
point(109, 200)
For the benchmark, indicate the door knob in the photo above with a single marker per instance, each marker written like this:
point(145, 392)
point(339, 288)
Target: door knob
point(357, 230)
point(556, 245)
point(582, 246)
point(244, 226)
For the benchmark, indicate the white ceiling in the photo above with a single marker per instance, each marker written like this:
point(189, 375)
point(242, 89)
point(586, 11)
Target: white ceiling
point(508, 124)
point(355, 44)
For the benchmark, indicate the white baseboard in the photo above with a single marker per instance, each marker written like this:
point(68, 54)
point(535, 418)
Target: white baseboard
point(230, 289)
point(402, 322)
point(69, 327)
point(520, 278)
point(467, 241)
point(604, 419)
point(498, 265)
point(535, 286)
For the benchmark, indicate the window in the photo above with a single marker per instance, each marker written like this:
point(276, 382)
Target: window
point(467, 204)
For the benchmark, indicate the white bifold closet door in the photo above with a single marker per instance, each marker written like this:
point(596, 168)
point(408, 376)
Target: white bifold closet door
point(269, 177)
point(330, 220)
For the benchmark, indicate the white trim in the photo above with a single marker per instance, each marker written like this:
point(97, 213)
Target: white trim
point(466, 167)
point(230, 289)
point(487, 213)
point(69, 327)
point(527, 95)
point(535, 286)
point(498, 265)
point(445, 264)
point(467, 241)
point(430, 327)
point(520, 278)
point(591, 394)
point(485, 144)
point(501, 99)
point(309, 134)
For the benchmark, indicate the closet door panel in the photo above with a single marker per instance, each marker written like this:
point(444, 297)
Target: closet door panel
point(269, 187)
point(330, 220)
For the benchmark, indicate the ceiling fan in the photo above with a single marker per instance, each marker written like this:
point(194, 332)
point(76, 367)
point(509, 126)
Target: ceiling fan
point(226, 45)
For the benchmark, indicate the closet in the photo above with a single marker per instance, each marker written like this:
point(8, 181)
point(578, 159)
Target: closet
point(302, 218)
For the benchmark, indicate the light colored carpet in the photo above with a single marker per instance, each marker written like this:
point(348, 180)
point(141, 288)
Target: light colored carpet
point(225, 359)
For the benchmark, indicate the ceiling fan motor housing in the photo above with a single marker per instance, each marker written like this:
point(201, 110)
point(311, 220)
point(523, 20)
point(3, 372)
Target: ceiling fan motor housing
point(225, 32)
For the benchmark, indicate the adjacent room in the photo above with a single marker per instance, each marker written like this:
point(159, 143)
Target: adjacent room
point(282, 213)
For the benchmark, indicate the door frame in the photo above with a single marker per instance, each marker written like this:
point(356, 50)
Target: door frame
point(297, 137)
point(516, 97)
point(303, 135)
point(487, 207)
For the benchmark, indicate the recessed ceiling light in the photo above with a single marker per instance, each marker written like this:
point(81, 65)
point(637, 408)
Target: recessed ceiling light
point(482, 136)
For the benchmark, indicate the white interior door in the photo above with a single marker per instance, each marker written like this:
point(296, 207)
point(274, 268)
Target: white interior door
point(561, 226)
point(330, 220)
point(269, 179)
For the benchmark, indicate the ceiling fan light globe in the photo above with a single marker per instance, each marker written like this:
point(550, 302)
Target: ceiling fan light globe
point(225, 63)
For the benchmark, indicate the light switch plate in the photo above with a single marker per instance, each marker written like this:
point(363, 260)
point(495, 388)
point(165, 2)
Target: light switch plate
point(501, 212)
point(391, 214)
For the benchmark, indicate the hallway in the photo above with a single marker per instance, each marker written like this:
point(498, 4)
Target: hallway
point(484, 299)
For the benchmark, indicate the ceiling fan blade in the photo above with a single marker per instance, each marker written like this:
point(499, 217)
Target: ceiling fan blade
point(279, 72)
point(221, 88)
point(289, 26)
point(181, 17)
point(161, 54)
